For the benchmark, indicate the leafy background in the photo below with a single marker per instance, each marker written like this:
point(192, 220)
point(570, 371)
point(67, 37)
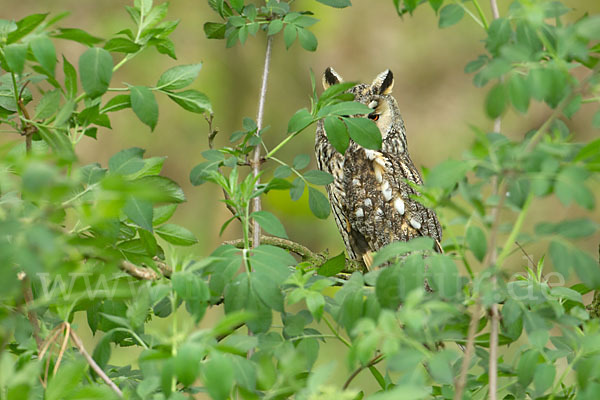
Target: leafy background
point(435, 96)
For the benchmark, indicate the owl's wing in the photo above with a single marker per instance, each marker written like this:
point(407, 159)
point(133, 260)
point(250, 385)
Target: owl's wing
point(378, 206)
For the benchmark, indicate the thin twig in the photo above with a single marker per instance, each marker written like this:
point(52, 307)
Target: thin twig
point(256, 161)
point(495, 12)
point(31, 314)
point(526, 255)
point(63, 347)
point(371, 363)
point(93, 364)
point(464, 368)
point(297, 248)
point(138, 272)
point(493, 369)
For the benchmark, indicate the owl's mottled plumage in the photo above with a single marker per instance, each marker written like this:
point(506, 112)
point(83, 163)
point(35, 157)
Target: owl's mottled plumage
point(369, 196)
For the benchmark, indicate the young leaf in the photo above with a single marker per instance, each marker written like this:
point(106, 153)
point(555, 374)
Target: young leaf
point(214, 30)
point(301, 161)
point(178, 77)
point(275, 26)
point(48, 105)
point(269, 223)
point(289, 35)
point(495, 102)
point(518, 93)
point(144, 105)
point(59, 143)
point(95, 71)
point(176, 234)
point(318, 203)
point(77, 35)
point(70, 79)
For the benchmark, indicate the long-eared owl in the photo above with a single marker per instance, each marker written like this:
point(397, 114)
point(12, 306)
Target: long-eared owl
point(370, 196)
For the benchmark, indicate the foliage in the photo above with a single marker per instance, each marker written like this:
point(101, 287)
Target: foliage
point(86, 238)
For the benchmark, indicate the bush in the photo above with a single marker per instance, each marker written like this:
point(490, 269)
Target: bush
point(96, 239)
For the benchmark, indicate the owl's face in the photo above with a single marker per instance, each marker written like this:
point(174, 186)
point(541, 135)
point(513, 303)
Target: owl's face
point(376, 96)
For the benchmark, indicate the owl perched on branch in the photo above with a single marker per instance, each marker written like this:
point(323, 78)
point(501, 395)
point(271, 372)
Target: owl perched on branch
point(370, 196)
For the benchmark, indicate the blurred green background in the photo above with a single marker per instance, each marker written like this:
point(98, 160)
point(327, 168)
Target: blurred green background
point(437, 99)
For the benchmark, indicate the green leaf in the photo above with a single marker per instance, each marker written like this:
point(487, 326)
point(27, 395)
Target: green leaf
point(561, 257)
point(570, 185)
point(121, 45)
point(119, 102)
point(144, 105)
point(337, 133)
point(300, 120)
point(440, 368)
point(543, 378)
point(364, 132)
point(127, 161)
point(318, 203)
point(163, 213)
point(140, 212)
point(301, 161)
point(178, 77)
point(59, 143)
point(95, 71)
point(218, 376)
point(345, 108)
point(187, 363)
point(333, 266)
point(66, 380)
point(396, 249)
point(176, 234)
point(48, 105)
point(23, 27)
point(477, 242)
point(589, 27)
point(77, 35)
point(214, 30)
point(447, 174)
point(191, 100)
point(575, 228)
point(436, 4)
point(336, 3)
point(289, 35)
point(307, 39)
point(586, 268)
point(238, 5)
point(275, 27)
point(446, 280)
point(269, 223)
point(169, 191)
point(450, 15)
point(526, 367)
point(15, 57)
point(518, 93)
point(64, 113)
point(596, 120)
point(317, 177)
point(495, 102)
point(70, 79)
point(45, 53)
point(297, 189)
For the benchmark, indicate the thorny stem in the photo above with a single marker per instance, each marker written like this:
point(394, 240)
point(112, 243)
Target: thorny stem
point(255, 162)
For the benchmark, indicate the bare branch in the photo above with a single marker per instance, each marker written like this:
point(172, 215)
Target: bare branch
point(31, 314)
point(256, 160)
point(493, 368)
point(93, 364)
point(371, 363)
point(464, 368)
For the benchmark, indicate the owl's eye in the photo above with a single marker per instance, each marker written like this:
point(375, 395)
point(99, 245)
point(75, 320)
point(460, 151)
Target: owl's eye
point(374, 116)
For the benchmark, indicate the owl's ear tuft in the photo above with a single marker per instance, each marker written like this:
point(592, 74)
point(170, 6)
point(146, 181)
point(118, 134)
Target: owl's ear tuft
point(330, 78)
point(384, 82)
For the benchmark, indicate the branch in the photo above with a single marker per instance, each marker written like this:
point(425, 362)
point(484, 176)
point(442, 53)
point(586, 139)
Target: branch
point(494, 6)
point(145, 273)
point(493, 369)
point(296, 248)
point(93, 364)
point(31, 314)
point(256, 161)
point(371, 363)
point(464, 368)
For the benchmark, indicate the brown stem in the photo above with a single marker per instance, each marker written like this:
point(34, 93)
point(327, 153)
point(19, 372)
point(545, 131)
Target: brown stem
point(493, 368)
point(93, 364)
point(371, 363)
point(31, 314)
point(256, 160)
point(464, 368)
point(495, 12)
